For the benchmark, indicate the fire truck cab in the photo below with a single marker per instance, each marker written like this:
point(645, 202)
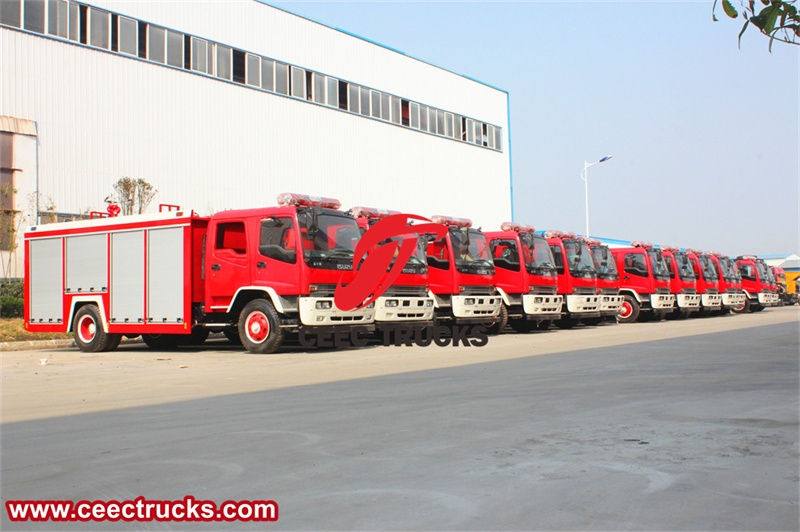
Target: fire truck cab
point(707, 282)
point(461, 275)
point(756, 284)
point(577, 278)
point(730, 282)
point(173, 276)
point(644, 284)
point(408, 299)
point(607, 279)
point(682, 283)
point(525, 276)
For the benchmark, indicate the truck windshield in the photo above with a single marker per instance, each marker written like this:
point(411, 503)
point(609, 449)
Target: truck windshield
point(329, 238)
point(604, 263)
point(684, 267)
point(768, 272)
point(471, 251)
point(658, 264)
point(579, 259)
point(762, 271)
point(729, 272)
point(538, 255)
point(709, 272)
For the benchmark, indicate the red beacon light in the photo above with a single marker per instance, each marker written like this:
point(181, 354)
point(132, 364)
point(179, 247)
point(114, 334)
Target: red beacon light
point(519, 228)
point(553, 234)
point(370, 213)
point(639, 244)
point(451, 222)
point(593, 242)
point(568, 235)
point(302, 200)
point(669, 248)
point(693, 251)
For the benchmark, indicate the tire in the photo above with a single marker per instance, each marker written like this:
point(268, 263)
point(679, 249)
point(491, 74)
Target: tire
point(566, 323)
point(523, 326)
point(232, 334)
point(629, 311)
point(259, 327)
point(756, 308)
point(87, 327)
point(502, 320)
point(161, 342)
point(197, 337)
point(592, 322)
point(743, 308)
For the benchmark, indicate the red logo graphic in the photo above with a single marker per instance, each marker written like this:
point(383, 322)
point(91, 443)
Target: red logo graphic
point(373, 277)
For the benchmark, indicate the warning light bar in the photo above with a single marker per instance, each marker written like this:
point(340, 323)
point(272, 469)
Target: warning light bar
point(638, 244)
point(568, 235)
point(519, 228)
point(301, 200)
point(368, 212)
point(452, 222)
point(593, 242)
point(553, 234)
point(669, 248)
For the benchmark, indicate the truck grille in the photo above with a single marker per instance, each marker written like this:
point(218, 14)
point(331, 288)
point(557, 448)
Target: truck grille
point(712, 291)
point(734, 291)
point(662, 290)
point(609, 292)
point(689, 290)
point(585, 291)
point(409, 291)
point(478, 291)
point(545, 290)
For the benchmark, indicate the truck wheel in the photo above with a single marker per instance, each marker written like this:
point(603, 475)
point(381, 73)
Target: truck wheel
point(743, 308)
point(593, 322)
point(629, 310)
point(259, 327)
point(161, 341)
point(88, 330)
point(502, 319)
point(197, 337)
point(756, 308)
point(521, 325)
point(232, 334)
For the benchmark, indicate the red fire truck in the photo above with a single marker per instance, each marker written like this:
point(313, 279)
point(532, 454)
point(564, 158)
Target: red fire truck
point(756, 284)
point(254, 274)
point(525, 276)
point(730, 282)
point(577, 278)
point(607, 280)
point(707, 282)
point(682, 283)
point(407, 300)
point(461, 275)
point(645, 283)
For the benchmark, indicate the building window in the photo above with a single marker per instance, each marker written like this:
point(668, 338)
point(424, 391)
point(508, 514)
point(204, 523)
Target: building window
point(440, 122)
point(490, 136)
point(268, 75)
point(156, 48)
point(175, 48)
point(298, 83)
point(239, 66)
point(99, 29)
point(413, 111)
point(353, 98)
point(478, 133)
point(396, 118)
point(282, 78)
point(432, 120)
point(318, 87)
point(34, 15)
point(128, 33)
point(376, 103)
point(224, 62)
point(458, 132)
point(202, 56)
point(470, 130)
point(332, 92)
point(448, 124)
point(423, 118)
point(58, 18)
point(11, 12)
point(343, 95)
point(498, 139)
point(386, 110)
point(364, 94)
point(253, 70)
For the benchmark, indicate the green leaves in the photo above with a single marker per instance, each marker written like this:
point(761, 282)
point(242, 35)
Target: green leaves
point(729, 9)
point(778, 19)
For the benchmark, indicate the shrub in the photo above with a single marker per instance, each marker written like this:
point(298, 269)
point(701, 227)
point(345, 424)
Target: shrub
point(10, 287)
point(10, 307)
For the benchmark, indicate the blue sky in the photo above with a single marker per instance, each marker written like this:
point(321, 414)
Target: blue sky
point(704, 134)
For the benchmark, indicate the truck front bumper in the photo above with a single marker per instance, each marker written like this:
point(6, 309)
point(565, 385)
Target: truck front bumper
point(691, 301)
point(662, 301)
point(712, 301)
point(322, 311)
point(476, 306)
point(403, 308)
point(538, 304)
point(577, 304)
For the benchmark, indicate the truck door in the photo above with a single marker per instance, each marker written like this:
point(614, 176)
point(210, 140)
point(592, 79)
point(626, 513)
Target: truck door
point(228, 264)
point(636, 274)
point(278, 263)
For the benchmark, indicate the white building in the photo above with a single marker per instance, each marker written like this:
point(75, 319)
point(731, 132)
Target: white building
point(223, 105)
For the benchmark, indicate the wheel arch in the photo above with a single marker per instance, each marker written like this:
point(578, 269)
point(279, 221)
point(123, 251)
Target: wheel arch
point(81, 301)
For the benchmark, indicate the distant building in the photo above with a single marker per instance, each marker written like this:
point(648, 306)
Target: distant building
point(790, 264)
point(224, 105)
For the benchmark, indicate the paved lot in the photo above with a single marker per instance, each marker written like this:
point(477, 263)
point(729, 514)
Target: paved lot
point(696, 428)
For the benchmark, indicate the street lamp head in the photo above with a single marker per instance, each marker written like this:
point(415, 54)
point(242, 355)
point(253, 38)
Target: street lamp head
point(607, 157)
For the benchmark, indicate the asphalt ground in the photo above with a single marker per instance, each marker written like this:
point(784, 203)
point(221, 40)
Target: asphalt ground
point(688, 425)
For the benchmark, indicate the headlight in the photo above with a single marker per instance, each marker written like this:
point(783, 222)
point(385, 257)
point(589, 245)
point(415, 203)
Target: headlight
point(324, 305)
point(537, 299)
point(391, 302)
point(429, 303)
point(469, 301)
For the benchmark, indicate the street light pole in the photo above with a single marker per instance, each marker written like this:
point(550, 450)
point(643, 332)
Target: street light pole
point(585, 177)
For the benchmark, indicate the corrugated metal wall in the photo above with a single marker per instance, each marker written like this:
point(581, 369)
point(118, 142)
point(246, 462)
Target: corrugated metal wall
point(211, 145)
